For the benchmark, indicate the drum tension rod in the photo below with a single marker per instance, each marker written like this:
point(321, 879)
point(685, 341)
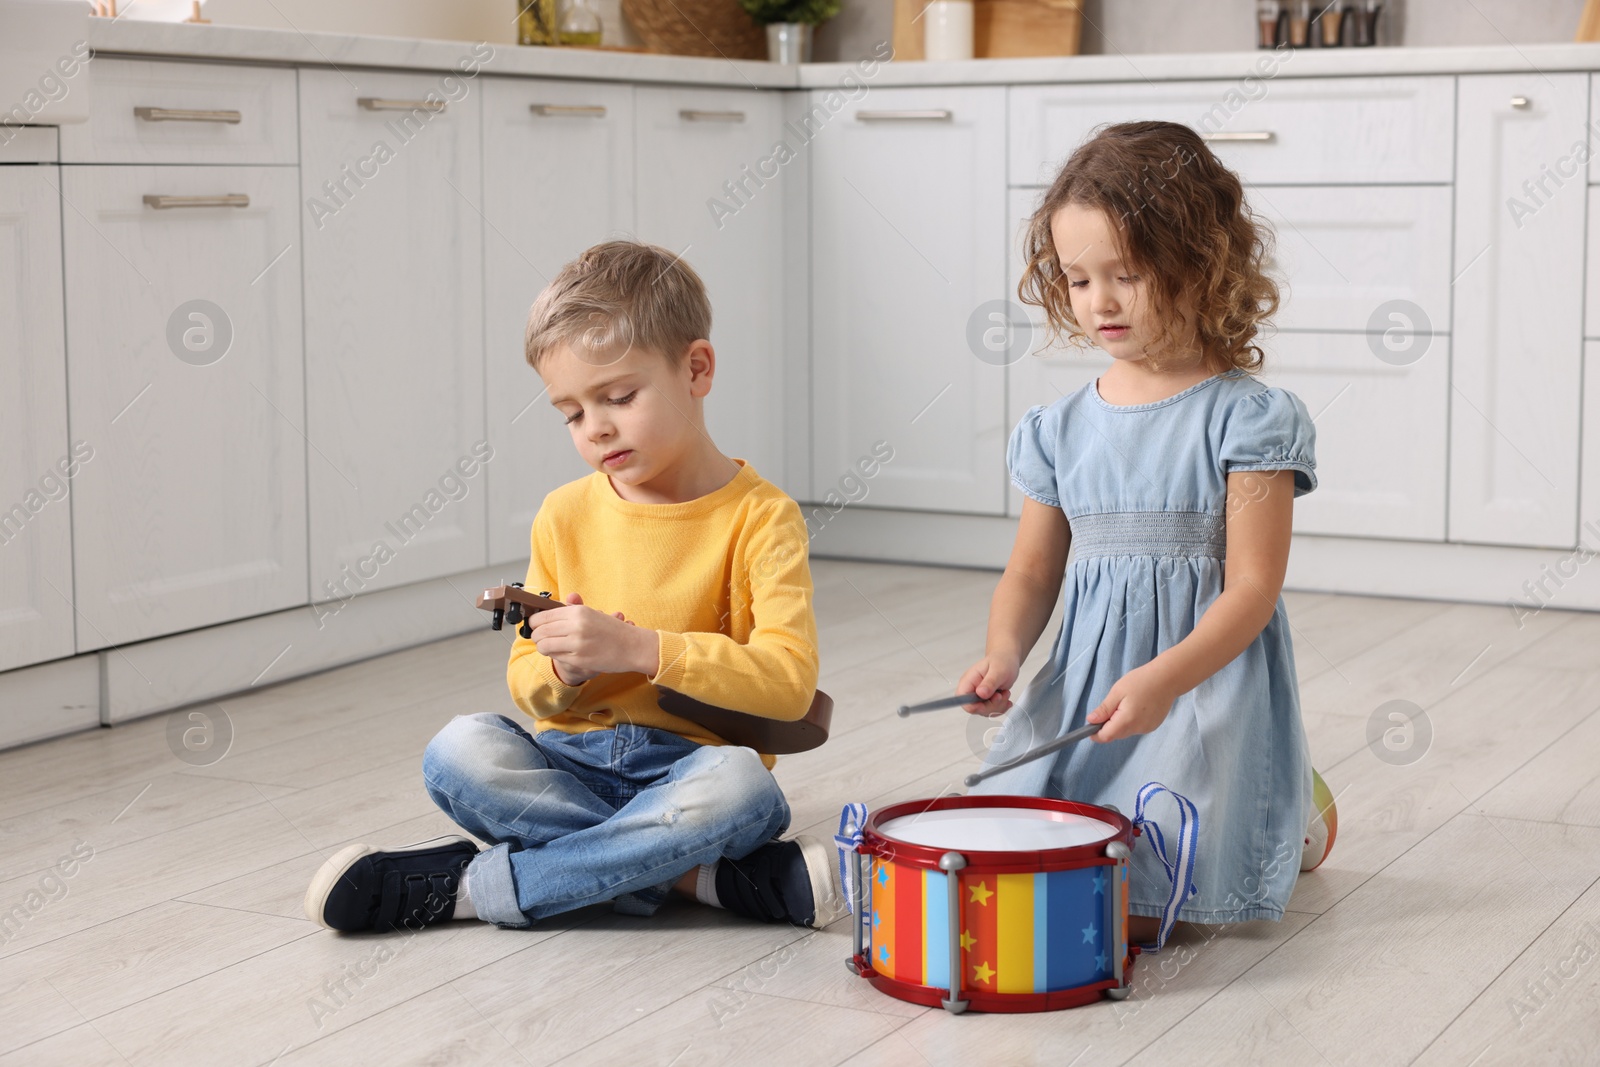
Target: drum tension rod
point(951, 863)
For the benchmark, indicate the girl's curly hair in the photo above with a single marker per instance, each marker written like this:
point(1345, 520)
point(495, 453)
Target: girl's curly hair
point(1183, 224)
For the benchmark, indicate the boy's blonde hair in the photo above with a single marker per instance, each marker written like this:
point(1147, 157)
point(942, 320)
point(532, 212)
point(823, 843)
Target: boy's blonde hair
point(617, 296)
point(1181, 217)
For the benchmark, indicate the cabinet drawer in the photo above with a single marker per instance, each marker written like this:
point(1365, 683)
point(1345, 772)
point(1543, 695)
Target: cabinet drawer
point(1381, 434)
point(1310, 130)
point(164, 112)
point(1340, 254)
point(1343, 252)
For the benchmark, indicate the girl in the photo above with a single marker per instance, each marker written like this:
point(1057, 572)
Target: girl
point(1175, 458)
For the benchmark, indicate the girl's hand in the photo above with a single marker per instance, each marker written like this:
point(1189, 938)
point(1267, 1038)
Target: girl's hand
point(583, 643)
point(1137, 704)
point(990, 679)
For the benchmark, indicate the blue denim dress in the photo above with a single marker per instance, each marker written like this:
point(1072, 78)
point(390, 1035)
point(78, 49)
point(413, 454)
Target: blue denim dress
point(1144, 489)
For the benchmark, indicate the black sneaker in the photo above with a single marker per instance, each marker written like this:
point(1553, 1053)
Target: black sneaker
point(782, 881)
point(364, 888)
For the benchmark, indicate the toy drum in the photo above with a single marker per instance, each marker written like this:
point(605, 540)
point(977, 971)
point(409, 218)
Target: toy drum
point(997, 903)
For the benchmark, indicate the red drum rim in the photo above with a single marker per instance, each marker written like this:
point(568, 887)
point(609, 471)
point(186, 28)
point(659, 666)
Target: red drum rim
point(874, 842)
point(979, 1000)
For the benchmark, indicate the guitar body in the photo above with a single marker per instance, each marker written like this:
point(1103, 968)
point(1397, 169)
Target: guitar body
point(512, 603)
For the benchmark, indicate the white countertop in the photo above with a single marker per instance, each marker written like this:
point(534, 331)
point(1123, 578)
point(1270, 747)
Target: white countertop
point(229, 43)
point(238, 43)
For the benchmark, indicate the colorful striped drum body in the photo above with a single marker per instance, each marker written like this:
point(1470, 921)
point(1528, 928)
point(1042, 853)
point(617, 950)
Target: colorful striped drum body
point(1038, 920)
point(1033, 932)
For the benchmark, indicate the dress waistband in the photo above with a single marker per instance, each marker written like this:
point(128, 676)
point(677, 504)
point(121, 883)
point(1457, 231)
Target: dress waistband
point(1149, 533)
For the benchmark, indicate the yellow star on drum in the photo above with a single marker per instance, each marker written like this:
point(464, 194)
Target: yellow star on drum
point(981, 894)
point(967, 941)
point(982, 973)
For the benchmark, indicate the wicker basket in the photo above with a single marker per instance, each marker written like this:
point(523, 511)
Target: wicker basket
point(697, 28)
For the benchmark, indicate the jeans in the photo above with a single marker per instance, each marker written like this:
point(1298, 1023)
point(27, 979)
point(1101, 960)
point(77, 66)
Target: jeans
point(578, 819)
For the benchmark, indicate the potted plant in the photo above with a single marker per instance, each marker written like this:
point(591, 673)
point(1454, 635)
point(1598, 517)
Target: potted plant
point(789, 24)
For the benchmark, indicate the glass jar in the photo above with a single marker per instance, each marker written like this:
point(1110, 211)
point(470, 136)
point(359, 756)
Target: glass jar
point(536, 22)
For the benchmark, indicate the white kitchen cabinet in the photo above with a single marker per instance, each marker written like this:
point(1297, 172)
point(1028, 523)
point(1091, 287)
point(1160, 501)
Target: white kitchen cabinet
point(393, 228)
point(1314, 131)
point(36, 456)
point(1518, 323)
point(711, 189)
point(186, 379)
point(908, 253)
point(558, 177)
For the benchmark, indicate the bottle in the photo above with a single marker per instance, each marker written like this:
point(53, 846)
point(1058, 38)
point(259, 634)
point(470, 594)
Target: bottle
point(580, 25)
point(947, 30)
point(1300, 24)
point(1332, 21)
point(1366, 26)
point(1267, 24)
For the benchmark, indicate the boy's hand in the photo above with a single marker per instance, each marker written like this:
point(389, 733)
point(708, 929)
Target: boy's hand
point(583, 643)
point(1137, 704)
point(990, 679)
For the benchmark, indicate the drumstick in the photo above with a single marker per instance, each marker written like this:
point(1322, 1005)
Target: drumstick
point(1043, 750)
point(942, 702)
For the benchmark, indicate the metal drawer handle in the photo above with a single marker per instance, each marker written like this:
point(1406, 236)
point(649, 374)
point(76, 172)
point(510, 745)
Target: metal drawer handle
point(930, 115)
point(1521, 103)
point(1258, 136)
point(378, 103)
point(177, 114)
point(222, 200)
point(577, 111)
point(691, 115)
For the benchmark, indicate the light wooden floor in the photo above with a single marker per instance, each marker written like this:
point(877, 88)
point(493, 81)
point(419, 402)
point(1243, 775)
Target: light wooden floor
point(1457, 921)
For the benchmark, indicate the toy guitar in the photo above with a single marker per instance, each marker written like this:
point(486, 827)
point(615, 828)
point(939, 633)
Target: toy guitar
point(513, 604)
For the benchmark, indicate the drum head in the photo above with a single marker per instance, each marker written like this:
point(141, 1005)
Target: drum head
point(992, 829)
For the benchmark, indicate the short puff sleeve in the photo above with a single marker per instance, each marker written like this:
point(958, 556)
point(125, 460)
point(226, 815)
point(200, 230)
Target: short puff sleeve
point(1031, 455)
point(1270, 430)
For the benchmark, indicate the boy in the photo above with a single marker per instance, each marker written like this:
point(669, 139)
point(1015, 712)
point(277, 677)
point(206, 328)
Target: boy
point(602, 795)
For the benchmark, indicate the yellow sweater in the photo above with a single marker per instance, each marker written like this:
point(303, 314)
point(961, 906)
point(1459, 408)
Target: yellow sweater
point(723, 578)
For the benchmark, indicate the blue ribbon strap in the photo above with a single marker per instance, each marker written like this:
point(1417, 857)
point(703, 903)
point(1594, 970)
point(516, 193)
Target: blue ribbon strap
point(1180, 863)
point(852, 825)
